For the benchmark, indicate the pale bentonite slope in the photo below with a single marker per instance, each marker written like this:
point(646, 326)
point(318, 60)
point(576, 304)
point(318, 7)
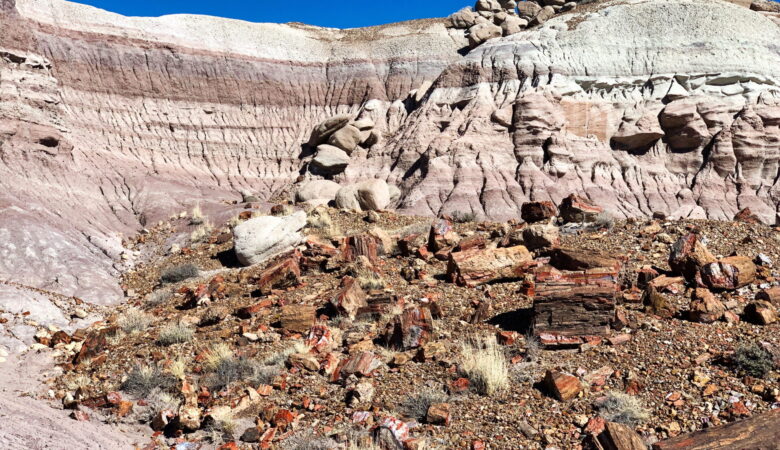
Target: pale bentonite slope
point(108, 123)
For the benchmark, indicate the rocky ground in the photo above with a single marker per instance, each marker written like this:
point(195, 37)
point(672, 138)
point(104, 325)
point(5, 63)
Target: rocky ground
point(360, 337)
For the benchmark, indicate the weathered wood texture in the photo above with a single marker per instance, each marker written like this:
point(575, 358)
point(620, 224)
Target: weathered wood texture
point(761, 432)
point(568, 313)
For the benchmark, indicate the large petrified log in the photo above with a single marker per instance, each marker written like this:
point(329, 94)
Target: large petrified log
point(729, 273)
point(574, 308)
point(761, 432)
point(477, 266)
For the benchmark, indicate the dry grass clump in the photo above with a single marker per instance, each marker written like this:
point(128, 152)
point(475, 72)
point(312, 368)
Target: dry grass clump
point(142, 380)
point(225, 368)
point(201, 233)
point(179, 273)
point(157, 401)
point(483, 362)
point(416, 405)
point(319, 219)
point(157, 298)
point(197, 217)
point(134, 320)
point(623, 408)
point(175, 333)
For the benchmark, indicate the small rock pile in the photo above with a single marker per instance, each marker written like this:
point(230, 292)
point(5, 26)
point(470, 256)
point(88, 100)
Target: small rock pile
point(495, 18)
point(335, 139)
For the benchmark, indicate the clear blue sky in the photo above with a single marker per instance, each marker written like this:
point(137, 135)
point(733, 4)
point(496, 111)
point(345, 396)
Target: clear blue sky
point(329, 13)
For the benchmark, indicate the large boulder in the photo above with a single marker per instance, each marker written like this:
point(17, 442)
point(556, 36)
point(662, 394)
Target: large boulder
point(373, 195)
point(346, 198)
point(347, 138)
point(528, 10)
point(317, 190)
point(577, 209)
point(327, 127)
point(481, 32)
point(368, 195)
point(261, 238)
point(329, 160)
point(463, 19)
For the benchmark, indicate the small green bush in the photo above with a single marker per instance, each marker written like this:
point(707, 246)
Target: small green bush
point(754, 360)
point(180, 273)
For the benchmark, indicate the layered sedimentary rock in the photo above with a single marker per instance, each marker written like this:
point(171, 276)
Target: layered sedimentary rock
point(110, 123)
point(640, 106)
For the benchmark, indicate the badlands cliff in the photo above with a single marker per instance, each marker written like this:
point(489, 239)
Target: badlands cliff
point(109, 123)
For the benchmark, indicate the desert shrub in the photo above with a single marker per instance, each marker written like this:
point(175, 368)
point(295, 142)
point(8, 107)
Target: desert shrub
point(754, 360)
point(264, 374)
point(175, 333)
point(604, 220)
point(416, 405)
point(179, 273)
point(482, 361)
point(142, 380)
point(225, 368)
point(178, 368)
point(307, 440)
point(623, 408)
point(463, 217)
point(159, 400)
point(134, 320)
point(157, 298)
point(279, 358)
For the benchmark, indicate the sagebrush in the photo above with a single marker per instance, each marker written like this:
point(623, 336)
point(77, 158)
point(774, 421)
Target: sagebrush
point(179, 273)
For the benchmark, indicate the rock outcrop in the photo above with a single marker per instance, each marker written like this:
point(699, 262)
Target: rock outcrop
point(108, 123)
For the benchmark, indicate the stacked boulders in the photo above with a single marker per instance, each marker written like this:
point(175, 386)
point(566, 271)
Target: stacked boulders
point(495, 18)
point(335, 139)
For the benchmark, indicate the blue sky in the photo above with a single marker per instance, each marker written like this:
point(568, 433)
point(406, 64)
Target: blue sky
point(330, 13)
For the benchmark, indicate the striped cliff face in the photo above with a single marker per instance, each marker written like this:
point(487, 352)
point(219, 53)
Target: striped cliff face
point(108, 123)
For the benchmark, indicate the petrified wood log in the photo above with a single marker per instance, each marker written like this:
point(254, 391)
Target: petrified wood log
point(567, 313)
point(761, 432)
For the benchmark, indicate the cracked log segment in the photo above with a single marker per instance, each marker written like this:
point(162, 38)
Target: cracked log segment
point(568, 313)
point(761, 432)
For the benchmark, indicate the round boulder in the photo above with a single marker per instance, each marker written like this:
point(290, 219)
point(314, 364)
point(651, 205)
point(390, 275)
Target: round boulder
point(317, 190)
point(329, 160)
point(368, 195)
point(327, 127)
point(261, 238)
point(346, 139)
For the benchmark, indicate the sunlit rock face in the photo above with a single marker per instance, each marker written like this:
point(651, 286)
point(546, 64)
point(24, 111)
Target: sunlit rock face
point(109, 123)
